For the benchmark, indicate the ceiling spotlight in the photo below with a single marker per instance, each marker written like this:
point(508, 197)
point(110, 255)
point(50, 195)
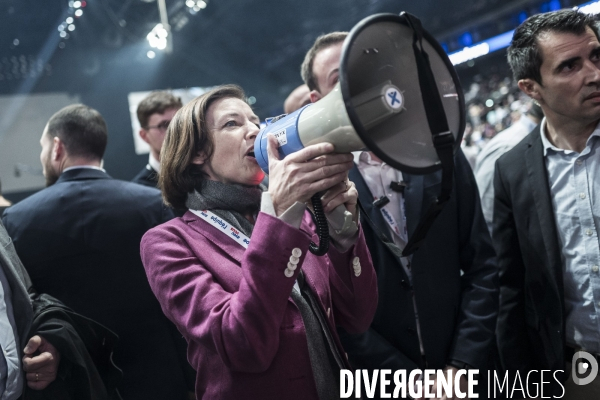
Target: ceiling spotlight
point(61, 27)
point(190, 3)
point(63, 34)
point(157, 38)
point(201, 4)
point(78, 13)
point(489, 102)
point(151, 54)
point(71, 28)
point(76, 4)
point(69, 20)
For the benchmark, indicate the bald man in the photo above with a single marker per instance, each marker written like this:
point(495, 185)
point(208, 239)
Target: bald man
point(297, 99)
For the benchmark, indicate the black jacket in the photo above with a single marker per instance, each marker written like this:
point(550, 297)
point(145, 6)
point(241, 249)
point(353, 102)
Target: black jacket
point(86, 369)
point(147, 177)
point(79, 240)
point(457, 313)
point(531, 319)
point(85, 346)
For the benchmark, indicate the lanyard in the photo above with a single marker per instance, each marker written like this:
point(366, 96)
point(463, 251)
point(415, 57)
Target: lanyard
point(389, 218)
point(224, 227)
point(230, 231)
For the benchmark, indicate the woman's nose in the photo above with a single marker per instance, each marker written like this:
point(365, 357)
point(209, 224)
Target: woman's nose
point(252, 130)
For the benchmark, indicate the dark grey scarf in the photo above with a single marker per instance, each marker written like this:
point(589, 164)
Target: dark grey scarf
point(228, 201)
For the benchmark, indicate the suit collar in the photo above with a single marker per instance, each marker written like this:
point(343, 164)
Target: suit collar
point(540, 189)
point(366, 200)
point(413, 201)
point(77, 174)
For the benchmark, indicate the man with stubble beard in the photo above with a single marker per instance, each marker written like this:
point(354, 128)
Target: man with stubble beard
point(79, 240)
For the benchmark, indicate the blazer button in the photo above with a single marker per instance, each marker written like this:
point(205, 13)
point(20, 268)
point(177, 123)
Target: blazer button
point(294, 260)
point(296, 252)
point(356, 261)
point(288, 273)
point(291, 266)
point(405, 285)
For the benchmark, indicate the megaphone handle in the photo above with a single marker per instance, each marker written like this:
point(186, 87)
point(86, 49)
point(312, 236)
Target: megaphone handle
point(322, 227)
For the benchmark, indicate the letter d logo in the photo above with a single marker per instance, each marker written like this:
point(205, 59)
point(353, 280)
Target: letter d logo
point(578, 370)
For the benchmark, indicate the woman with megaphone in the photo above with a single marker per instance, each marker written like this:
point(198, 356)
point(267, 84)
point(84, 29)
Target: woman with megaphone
point(235, 274)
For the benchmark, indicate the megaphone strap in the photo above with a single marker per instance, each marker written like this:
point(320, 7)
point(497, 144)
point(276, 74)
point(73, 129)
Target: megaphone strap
point(442, 137)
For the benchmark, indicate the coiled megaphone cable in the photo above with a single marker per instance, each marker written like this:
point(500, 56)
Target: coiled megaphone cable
point(322, 227)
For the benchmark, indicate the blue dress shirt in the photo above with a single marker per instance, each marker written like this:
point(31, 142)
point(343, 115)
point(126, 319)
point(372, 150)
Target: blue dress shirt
point(574, 180)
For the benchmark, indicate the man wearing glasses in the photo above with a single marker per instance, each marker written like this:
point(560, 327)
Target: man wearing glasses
point(154, 114)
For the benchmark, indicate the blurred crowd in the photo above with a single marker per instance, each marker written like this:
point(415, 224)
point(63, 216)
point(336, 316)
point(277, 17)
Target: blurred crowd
point(494, 103)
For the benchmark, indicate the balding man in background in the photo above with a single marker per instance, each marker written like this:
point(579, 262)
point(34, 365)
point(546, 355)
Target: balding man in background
point(297, 99)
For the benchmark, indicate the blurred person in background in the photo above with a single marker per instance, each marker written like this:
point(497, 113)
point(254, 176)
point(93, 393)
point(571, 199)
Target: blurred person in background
point(154, 113)
point(297, 99)
point(496, 147)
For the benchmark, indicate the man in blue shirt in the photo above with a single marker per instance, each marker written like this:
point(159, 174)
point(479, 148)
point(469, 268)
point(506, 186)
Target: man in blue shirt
point(546, 208)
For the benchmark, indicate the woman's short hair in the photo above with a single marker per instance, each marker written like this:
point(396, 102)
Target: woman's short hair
point(187, 137)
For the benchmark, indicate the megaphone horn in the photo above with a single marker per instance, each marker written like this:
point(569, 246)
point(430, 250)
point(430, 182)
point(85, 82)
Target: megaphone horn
point(398, 96)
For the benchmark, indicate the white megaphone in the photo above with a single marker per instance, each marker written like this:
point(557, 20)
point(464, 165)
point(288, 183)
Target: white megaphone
point(398, 96)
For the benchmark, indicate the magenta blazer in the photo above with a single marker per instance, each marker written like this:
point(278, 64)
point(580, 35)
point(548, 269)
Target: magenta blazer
point(246, 338)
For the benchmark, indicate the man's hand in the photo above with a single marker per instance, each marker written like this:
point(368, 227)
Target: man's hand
point(306, 172)
point(463, 386)
point(40, 362)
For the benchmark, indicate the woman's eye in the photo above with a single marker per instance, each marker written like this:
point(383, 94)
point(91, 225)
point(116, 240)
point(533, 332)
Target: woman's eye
point(230, 123)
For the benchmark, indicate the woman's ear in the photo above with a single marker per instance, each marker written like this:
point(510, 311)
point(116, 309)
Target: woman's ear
point(199, 159)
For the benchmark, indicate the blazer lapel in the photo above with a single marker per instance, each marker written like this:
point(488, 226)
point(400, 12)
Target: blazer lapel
point(413, 201)
point(366, 200)
point(538, 176)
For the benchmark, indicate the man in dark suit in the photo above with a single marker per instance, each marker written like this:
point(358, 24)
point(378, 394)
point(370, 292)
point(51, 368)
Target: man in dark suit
point(546, 209)
point(438, 308)
point(155, 113)
point(79, 240)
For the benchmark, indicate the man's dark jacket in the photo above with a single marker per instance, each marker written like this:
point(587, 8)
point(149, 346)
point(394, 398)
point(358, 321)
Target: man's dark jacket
point(531, 318)
point(147, 177)
point(79, 240)
point(457, 313)
point(86, 371)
